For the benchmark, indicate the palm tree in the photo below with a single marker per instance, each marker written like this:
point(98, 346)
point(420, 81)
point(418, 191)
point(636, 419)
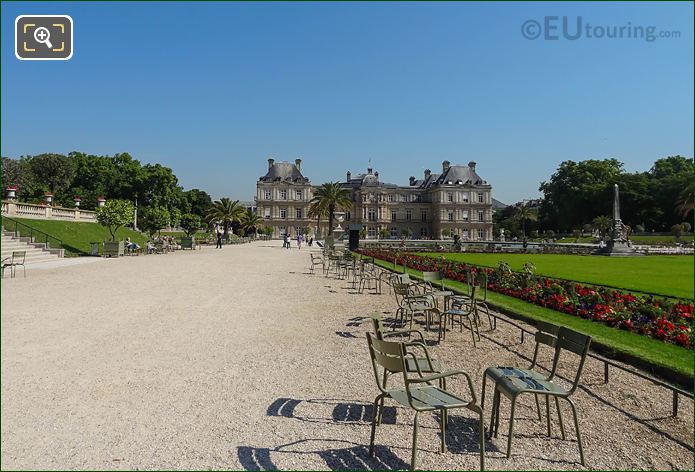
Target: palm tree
point(251, 220)
point(524, 213)
point(226, 212)
point(318, 210)
point(328, 198)
point(685, 204)
point(602, 224)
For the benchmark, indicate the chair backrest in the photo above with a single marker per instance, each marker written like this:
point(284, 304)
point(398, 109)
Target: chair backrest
point(401, 291)
point(378, 327)
point(434, 277)
point(401, 279)
point(545, 336)
point(18, 257)
point(573, 342)
point(481, 281)
point(387, 355)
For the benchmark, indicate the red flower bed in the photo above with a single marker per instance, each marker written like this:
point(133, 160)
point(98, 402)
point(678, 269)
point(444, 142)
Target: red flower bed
point(665, 319)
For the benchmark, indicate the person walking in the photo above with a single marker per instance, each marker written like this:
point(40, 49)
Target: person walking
point(299, 241)
point(218, 233)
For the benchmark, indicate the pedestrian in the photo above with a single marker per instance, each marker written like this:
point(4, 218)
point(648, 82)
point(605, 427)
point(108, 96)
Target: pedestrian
point(299, 240)
point(311, 241)
point(218, 233)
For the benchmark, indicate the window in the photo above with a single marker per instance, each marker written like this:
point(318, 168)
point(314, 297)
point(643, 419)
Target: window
point(281, 229)
point(390, 197)
point(394, 232)
point(394, 215)
point(465, 197)
point(298, 213)
point(423, 215)
point(450, 215)
point(481, 234)
point(297, 230)
point(481, 197)
point(347, 215)
point(283, 213)
point(266, 212)
point(465, 234)
point(298, 195)
point(371, 214)
point(418, 198)
point(423, 232)
point(465, 215)
point(450, 197)
point(408, 214)
point(371, 232)
point(283, 194)
point(481, 216)
point(268, 195)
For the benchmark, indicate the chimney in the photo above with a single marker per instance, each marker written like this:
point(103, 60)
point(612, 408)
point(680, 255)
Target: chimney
point(376, 174)
point(445, 166)
point(271, 161)
point(349, 176)
point(427, 173)
point(412, 180)
point(369, 170)
point(472, 165)
point(298, 163)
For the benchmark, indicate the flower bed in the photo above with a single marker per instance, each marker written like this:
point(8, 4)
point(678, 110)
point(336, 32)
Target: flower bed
point(666, 319)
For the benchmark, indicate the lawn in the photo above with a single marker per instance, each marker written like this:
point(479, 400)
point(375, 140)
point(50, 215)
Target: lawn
point(645, 239)
point(76, 236)
point(670, 276)
point(651, 350)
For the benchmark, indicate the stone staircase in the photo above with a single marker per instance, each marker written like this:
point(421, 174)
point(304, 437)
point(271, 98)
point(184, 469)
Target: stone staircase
point(36, 252)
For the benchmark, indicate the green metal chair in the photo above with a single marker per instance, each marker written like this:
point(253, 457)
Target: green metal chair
point(482, 298)
point(434, 285)
point(417, 393)
point(316, 261)
point(545, 336)
point(464, 300)
point(469, 312)
point(410, 304)
point(511, 387)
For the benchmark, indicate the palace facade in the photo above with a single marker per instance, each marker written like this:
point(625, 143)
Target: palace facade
point(456, 201)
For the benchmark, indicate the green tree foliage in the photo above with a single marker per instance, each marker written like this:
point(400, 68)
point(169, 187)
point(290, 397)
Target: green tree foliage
point(251, 221)
point(191, 223)
point(225, 212)
point(524, 213)
point(602, 224)
point(677, 231)
point(154, 218)
point(55, 171)
point(329, 198)
point(199, 201)
point(115, 214)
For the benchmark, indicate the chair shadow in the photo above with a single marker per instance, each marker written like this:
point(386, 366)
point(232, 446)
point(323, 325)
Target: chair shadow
point(345, 334)
point(463, 435)
point(357, 458)
point(255, 458)
point(343, 411)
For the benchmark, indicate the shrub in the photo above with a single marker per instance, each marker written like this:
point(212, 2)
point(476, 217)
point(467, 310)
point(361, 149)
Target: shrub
point(115, 214)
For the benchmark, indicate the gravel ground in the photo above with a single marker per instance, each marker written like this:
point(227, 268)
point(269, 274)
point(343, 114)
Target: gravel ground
point(238, 359)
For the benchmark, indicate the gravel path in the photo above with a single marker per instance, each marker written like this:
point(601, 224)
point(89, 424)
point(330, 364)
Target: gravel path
point(238, 359)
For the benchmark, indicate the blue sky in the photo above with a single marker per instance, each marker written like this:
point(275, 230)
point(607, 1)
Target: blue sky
point(213, 89)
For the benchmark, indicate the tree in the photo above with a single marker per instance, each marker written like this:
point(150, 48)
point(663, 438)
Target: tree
point(383, 233)
point(154, 218)
point(524, 213)
point(114, 215)
point(55, 171)
point(199, 201)
point(685, 202)
point(576, 191)
point(446, 232)
point(602, 224)
point(225, 212)
point(686, 227)
point(328, 198)
point(677, 231)
point(251, 221)
point(191, 224)
point(268, 231)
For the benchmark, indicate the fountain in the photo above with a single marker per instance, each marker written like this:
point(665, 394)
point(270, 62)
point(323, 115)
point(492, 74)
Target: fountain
point(619, 245)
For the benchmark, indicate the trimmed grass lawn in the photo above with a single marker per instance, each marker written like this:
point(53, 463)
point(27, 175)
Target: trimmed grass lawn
point(654, 240)
point(670, 276)
point(76, 236)
point(651, 350)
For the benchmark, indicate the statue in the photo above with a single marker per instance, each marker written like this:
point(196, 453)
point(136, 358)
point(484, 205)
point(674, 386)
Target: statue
point(619, 245)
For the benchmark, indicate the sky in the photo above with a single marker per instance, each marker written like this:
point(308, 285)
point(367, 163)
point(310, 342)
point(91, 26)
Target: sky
point(213, 90)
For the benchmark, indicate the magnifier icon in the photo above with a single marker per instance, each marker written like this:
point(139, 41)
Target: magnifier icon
point(42, 35)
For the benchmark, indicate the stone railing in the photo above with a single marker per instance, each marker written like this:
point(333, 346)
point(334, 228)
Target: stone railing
point(30, 210)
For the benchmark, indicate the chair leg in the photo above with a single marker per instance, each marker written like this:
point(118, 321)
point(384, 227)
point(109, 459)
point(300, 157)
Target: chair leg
point(414, 453)
point(479, 410)
point(470, 325)
point(547, 414)
point(25, 270)
point(559, 416)
point(511, 429)
point(374, 418)
point(442, 423)
point(538, 406)
point(576, 427)
point(482, 395)
point(493, 413)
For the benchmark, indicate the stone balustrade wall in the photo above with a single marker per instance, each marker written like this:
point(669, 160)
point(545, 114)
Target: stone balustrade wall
point(30, 210)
